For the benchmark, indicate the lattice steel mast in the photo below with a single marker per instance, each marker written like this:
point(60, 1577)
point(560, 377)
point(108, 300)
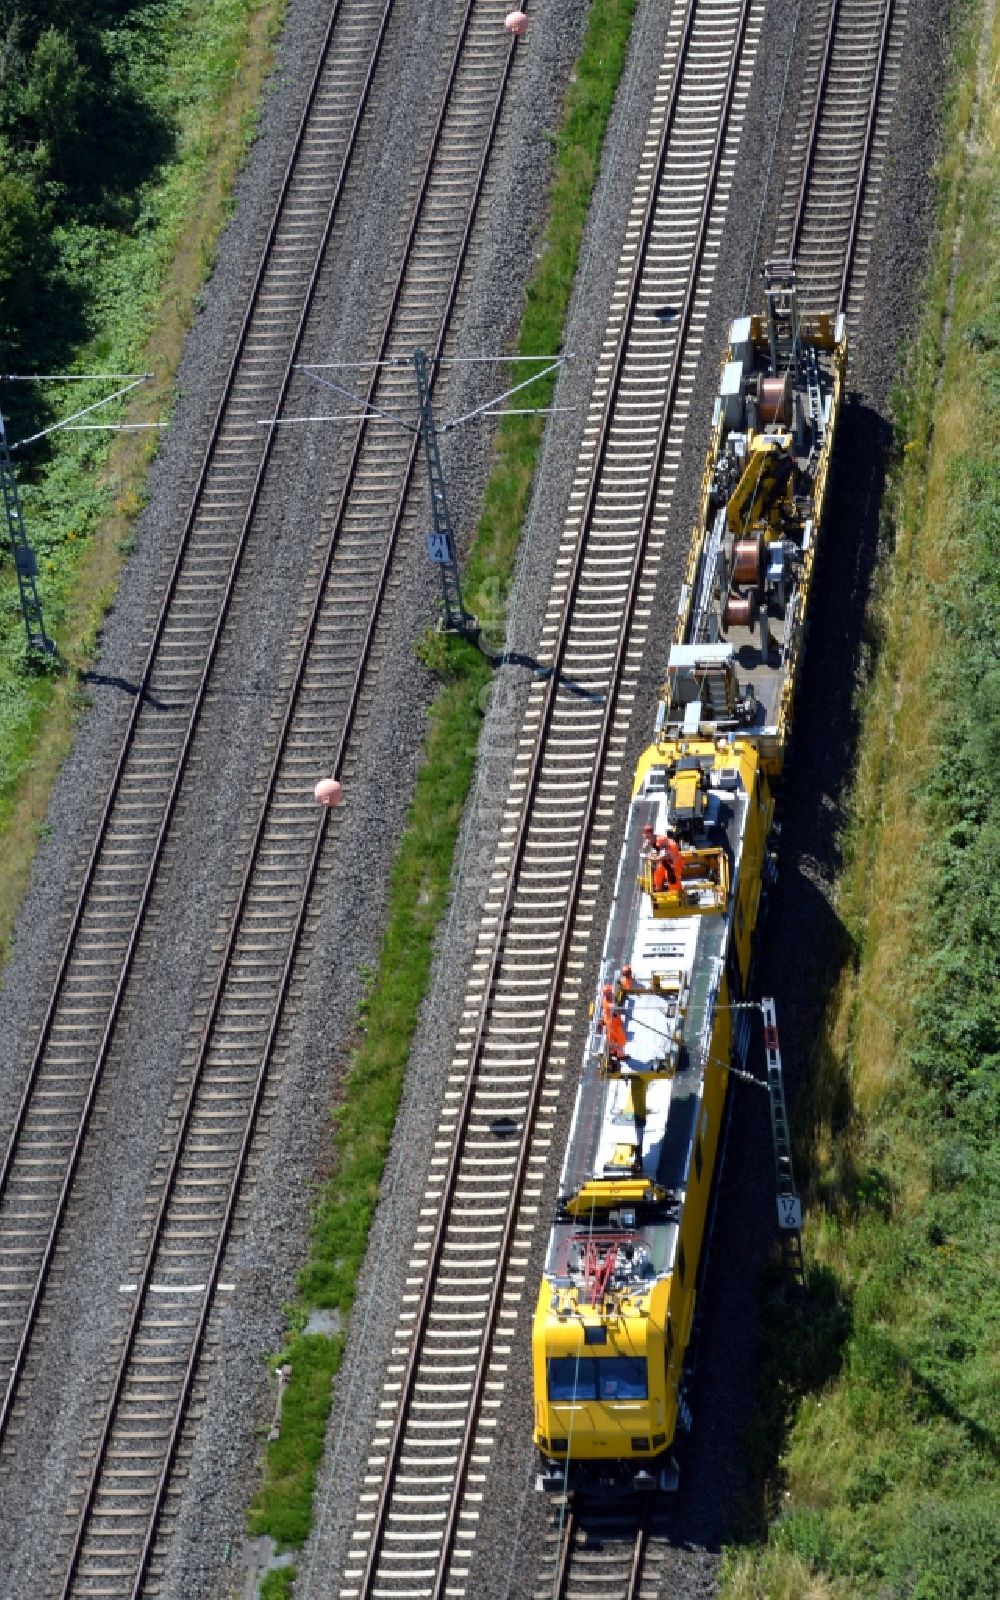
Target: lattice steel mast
point(441, 540)
point(24, 556)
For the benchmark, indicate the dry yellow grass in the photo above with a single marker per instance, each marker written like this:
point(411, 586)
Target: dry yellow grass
point(864, 1450)
point(773, 1575)
point(892, 866)
point(129, 461)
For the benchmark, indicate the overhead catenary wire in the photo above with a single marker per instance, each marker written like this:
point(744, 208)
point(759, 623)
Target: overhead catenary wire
point(369, 411)
point(75, 377)
point(736, 1072)
point(372, 413)
point(112, 427)
point(373, 417)
point(84, 411)
point(432, 361)
point(461, 361)
point(766, 187)
point(554, 364)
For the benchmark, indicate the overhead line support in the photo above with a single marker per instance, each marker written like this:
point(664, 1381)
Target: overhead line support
point(25, 562)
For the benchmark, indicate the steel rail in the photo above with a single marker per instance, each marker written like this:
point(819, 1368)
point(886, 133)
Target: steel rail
point(827, 124)
point(422, 1314)
point(635, 1530)
point(564, 1554)
point(164, 610)
point(814, 127)
point(17, 1366)
point(142, 1292)
point(638, 1556)
point(604, 739)
point(563, 1571)
point(859, 192)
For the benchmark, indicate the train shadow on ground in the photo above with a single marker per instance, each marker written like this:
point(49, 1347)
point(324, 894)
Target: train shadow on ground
point(761, 1351)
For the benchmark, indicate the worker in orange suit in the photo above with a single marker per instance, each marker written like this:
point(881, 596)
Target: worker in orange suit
point(675, 861)
point(668, 870)
point(613, 1023)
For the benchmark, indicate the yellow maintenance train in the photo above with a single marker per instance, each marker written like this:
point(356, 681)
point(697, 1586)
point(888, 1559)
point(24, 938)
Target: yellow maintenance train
point(616, 1304)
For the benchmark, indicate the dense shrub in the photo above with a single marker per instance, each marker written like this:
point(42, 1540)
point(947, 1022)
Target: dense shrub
point(78, 137)
point(948, 1552)
point(957, 1033)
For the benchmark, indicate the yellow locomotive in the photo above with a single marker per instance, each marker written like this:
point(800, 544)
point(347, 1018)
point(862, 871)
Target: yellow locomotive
point(616, 1305)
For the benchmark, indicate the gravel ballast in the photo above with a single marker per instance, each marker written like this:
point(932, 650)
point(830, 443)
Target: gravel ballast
point(208, 1558)
point(174, 966)
point(511, 1527)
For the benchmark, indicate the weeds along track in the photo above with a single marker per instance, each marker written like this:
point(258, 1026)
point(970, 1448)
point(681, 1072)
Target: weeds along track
point(837, 168)
point(128, 1475)
point(417, 1515)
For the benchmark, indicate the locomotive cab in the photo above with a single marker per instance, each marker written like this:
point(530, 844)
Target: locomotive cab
point(604, 1399)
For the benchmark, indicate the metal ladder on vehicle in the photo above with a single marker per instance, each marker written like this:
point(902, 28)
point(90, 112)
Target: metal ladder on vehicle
point(789, 1204)
point(782, 313)
point(815, 393)
point(24, 557)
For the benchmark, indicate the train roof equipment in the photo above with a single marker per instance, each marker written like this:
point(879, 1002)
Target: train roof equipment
point(740, 629)
point(671, 1020)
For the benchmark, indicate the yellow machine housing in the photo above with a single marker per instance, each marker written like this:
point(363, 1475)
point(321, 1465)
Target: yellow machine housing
point(616, 1304)
point(740, 626)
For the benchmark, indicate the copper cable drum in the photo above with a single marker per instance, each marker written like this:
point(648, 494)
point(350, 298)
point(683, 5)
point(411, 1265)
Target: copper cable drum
point(741, 611)
point(776, 399)
point(748, 560)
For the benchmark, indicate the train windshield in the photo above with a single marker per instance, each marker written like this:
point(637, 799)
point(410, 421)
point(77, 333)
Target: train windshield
point(597, 1378)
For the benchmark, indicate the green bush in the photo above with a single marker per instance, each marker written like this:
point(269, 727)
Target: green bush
point(948, 1552)
point(278, 1585)
point(807, 1534)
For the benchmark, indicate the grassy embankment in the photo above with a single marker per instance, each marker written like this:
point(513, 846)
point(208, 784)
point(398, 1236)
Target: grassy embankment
point(126, 267)
point(886, 1483)
point(421, 875)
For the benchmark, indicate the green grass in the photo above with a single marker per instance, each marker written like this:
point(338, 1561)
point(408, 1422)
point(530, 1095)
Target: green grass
point(183, 62)
point(277, 1585)
point(876, 1446)
point(421, 875)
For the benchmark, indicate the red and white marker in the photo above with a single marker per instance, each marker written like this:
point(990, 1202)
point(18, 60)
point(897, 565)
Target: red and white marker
point(329, 792)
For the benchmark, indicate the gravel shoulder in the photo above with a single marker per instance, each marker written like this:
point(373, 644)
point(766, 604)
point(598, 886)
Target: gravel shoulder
point(150, 1057)
point(713, 1498)
point(293, 1151)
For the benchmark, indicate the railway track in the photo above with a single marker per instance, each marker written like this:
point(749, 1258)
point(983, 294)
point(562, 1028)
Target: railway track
point(416, 1520)
point(594, 1550)
point(46, 1140)
point(416, 1523)
point(837, 166)
point(517, 1000)
point(605, 1553)
point(113, 1549)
